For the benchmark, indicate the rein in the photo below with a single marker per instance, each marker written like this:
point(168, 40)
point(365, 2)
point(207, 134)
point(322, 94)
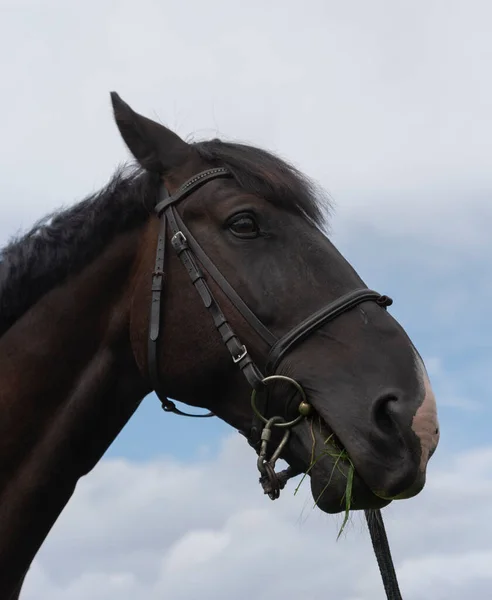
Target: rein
point(188, 250)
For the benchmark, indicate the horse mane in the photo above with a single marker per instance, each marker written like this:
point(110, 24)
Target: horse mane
point(64, 242)
point(264, 174)
point(61, 244)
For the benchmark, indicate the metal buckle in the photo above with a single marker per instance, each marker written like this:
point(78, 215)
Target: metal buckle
point(236, 359)
point(179, 240)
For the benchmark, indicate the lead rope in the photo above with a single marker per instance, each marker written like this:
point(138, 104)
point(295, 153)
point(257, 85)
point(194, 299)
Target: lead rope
point(382, 551)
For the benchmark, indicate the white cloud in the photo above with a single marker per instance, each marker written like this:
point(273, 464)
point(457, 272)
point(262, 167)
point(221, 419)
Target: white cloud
point(388, 106)
point(448, 389)
point(170, 529)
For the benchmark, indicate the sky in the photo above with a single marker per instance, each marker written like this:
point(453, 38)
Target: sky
point(387, 106)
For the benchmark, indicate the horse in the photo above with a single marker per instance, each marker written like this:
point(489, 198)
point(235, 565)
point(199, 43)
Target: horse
point(202, 272)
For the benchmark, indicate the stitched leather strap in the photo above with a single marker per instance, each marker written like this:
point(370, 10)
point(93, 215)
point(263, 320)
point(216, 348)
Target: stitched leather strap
point(237, 350)
point(318, 319)
point(179, 240)
point(226, 287)
point(190, 186)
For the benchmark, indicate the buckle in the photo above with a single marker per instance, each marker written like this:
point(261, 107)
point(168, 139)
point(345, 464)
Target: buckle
point(239, 357)
point(179, 241)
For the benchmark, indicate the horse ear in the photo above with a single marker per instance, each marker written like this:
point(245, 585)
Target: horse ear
point(155, 147)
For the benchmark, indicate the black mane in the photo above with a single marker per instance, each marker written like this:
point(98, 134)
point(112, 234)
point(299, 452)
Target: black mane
point(63, 243)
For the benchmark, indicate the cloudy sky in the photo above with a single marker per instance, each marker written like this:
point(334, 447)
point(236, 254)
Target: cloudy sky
point(388, 106)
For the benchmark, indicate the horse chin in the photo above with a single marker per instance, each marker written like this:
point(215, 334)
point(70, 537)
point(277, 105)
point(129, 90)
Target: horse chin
point(329, 490)
point(329, 468)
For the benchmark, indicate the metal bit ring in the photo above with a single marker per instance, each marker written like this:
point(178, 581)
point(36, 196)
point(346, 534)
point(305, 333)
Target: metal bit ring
point(304, 403)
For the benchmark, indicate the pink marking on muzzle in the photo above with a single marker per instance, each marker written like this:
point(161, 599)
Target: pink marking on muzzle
point(425, 423)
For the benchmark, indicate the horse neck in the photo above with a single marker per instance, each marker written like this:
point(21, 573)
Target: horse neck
point(69, 383)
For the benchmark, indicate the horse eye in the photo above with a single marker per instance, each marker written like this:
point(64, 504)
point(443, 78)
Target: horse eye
point(244, 226)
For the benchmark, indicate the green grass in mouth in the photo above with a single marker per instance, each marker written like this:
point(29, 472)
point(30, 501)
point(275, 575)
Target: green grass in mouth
point(340, 456)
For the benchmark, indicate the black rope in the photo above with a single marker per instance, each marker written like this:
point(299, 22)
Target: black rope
point(382, 551)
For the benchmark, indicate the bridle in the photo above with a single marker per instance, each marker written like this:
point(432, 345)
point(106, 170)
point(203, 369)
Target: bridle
point(192, 256)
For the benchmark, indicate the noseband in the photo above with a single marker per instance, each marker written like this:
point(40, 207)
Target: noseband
point(191, 254)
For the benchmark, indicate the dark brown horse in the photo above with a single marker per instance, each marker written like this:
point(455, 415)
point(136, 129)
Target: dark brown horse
point(75, 294)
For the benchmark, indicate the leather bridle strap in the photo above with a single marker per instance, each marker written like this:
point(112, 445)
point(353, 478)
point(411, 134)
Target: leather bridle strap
point(301, 332)
point(239, 354)
point(226, 287)
point(318, 319)
point(237, 350)
point(158, 282)
point(188, 187)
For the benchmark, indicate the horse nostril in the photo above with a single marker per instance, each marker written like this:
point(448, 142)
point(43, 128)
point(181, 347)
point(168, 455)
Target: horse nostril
point(382, 412)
